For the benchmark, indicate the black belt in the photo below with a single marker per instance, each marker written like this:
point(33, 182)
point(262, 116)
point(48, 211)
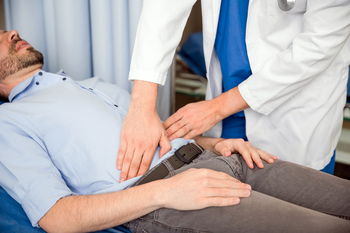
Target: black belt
point(184, 155)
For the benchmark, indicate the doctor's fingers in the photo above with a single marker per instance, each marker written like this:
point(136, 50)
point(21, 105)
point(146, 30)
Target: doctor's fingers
point(140, 163)
point(258, 154)
point(245, 151)
point(270, 158)
point(182, 129)
point(127, 159)
point(121, 153)
point(164, 144)
point(136, 163)
point(248, 152)
point(226, 147)
point(255, 155)
point(177, 130)
point(172, 120)
point(144, 164)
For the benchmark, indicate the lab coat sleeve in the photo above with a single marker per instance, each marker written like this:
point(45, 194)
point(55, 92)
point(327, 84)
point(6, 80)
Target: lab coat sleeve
point(159, 32)
point(326, 28)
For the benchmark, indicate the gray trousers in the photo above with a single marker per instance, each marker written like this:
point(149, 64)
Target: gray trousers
point(286, 197)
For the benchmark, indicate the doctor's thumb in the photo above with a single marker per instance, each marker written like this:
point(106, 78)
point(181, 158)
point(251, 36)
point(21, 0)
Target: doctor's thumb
point(165, 146)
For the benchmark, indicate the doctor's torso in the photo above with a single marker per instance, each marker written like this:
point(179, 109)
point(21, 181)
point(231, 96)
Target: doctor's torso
point(289, 51)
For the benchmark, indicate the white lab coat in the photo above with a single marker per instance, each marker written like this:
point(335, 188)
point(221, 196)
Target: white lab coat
point(299, 60)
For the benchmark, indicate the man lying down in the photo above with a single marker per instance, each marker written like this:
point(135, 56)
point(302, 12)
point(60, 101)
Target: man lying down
point(59, 141)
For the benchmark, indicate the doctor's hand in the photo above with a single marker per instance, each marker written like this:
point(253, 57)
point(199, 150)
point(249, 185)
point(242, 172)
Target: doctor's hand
point(197, 118)
point(141, 133)
point(250, 153)
point(192, 120)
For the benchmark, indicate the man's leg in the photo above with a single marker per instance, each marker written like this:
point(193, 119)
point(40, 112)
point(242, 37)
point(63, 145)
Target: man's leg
point(302, 186)
point(258, 213)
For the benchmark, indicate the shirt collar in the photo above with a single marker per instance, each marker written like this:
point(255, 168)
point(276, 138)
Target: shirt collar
point(25, 85)
point(62, 73)
point(19, 88)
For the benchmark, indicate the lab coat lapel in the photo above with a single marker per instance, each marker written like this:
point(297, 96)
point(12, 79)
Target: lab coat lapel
point(210, 11)
point(210, 15)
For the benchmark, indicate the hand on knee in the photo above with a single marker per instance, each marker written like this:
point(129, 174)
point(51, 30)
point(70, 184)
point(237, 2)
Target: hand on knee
point(201, 188)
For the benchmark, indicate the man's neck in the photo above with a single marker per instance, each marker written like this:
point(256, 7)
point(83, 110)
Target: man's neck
point(13, 80)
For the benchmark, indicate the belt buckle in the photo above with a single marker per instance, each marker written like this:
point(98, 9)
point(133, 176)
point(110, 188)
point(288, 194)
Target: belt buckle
point(187, 153)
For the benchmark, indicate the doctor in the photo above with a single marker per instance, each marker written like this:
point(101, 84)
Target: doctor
point(284, 62)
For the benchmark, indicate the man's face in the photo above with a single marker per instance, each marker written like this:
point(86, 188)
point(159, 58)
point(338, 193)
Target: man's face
point(16, 54)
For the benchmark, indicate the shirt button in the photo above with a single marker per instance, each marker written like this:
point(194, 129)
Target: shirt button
point(64, 79)
point(90, 88)
point(40, 73)
point(116, 105)
point(37, 83)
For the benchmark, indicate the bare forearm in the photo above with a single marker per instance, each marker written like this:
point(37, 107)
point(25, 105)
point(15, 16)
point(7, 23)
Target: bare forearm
point(207, 143)
point(190, 190)
point(229, 103)
point(96, 212)
point(144, 95)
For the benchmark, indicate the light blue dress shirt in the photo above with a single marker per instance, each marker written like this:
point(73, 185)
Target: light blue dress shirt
point(59, 137)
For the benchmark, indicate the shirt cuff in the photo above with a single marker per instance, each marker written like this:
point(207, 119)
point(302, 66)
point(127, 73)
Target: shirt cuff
point(149, 76)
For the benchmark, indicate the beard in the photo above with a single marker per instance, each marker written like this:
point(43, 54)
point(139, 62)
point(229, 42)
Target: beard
point(14, 62)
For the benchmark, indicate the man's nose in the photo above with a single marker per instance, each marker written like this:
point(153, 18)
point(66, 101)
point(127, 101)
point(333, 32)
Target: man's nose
point(12, 35)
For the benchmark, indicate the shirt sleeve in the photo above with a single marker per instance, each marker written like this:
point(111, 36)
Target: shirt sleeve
point(159, 32)
point(27, 172)
point(326, 28)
